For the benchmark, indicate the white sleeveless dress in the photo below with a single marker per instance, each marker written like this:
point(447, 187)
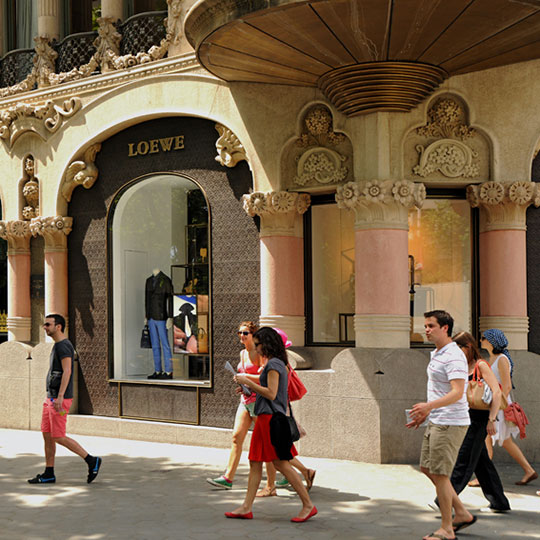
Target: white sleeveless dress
point(504, 429)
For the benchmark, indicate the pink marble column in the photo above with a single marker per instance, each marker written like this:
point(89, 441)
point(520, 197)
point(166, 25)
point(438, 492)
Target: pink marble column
point(282, 259)
point(381, 207)
point(503, 256)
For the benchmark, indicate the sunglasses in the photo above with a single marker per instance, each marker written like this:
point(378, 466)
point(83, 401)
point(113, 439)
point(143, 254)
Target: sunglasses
point(256, 343)
point(243, 333)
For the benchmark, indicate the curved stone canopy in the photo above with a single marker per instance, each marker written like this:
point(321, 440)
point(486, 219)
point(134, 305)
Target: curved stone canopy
point(318, 42)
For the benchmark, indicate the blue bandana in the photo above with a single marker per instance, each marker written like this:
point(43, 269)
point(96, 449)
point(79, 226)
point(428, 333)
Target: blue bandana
point(497, 338)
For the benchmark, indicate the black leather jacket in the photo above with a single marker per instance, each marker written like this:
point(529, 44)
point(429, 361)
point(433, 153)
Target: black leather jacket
point(159, 297)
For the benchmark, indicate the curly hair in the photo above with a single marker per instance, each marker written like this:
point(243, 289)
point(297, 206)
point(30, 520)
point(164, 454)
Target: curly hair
point(271, 344)
point(250, 325)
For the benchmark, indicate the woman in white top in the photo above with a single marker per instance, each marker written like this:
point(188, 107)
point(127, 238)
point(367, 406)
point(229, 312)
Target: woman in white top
point(494, 341)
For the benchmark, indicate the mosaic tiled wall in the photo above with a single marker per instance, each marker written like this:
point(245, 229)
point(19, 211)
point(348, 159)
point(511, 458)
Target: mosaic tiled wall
point(235, 260)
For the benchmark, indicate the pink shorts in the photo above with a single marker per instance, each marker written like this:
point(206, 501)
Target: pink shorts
point(52, 421)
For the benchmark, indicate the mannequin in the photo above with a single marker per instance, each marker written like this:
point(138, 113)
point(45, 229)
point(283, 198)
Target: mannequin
point(159, 311)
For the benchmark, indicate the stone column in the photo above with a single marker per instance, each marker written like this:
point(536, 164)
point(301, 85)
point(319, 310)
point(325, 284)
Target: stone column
point(503, 256)
point(382, 317)
point(54, 231)
point(282, 259)
point(113, 9)
point(19, 322)
point(48, 19)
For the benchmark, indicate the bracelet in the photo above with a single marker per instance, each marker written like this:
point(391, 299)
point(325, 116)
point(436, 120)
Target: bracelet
point(490, 420)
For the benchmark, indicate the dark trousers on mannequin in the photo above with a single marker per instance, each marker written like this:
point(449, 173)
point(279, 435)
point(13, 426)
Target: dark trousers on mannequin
point(473, 458)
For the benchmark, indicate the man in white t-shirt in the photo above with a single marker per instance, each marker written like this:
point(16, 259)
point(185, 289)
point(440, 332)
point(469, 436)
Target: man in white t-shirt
point(448, 413)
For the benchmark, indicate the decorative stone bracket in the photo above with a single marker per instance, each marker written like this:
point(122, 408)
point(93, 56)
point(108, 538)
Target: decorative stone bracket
point(504, 204)
point(81, 173)
point(18, 234)
point(279, 211)
point(381, 204)
point(54, 230)
point(229, 148)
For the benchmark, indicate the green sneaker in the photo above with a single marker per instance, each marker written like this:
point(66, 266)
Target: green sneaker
point(282, 482)
point(220, 482)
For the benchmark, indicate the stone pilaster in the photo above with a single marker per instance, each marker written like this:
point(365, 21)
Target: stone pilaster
point(503, 255)
point(48, 19)
point(381, 258)
point(54, 231)
point(282, 259)
point(113, 9)
point(17, 234)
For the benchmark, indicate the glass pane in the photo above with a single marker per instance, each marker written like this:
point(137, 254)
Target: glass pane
point(332, 273)
point(440, 263)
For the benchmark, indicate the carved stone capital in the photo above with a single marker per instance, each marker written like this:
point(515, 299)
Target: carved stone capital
point(229, 148)
point(81, 172)
point(381, 204)
point(54, 230)
point(279, 211)
point(18, 234)
point(503, 205)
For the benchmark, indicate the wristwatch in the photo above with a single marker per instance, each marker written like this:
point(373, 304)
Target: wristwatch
point(492, 420)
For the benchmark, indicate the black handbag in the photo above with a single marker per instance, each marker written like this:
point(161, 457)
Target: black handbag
point(145, 338)
point(293, 426)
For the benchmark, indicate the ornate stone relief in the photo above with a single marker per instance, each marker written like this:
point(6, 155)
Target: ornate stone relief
point(279, 211)
point(81, 172)
point(229, 148)
point(446, 147)
point(504, 204)
point(381, 204)
point(30, 190)
point(106, 56)
point(54, 230)
point(316, 159)
point(17, 234)
point(41, 119)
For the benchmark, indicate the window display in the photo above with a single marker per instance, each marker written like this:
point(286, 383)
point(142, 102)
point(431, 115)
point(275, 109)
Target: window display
point(159, 256)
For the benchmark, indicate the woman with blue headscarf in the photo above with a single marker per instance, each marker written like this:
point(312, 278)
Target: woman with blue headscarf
point(494, 341)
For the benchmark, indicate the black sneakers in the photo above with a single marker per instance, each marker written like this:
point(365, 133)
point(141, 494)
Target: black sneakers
point(93, 470)
point(165, 375)
point(40, 479)
point(155, 375)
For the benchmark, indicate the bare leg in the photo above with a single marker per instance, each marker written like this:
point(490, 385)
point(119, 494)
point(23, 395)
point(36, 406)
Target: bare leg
point(286, 469)
point(72, 445)
point(515, 451)
point(254, 479)
point(270, 476)
point(242, 422)
point(445, 496)
point(489, 446)
point(308, 474)
point(50, 449)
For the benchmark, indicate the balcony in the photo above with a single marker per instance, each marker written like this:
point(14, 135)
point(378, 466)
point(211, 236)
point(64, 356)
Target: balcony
point(366, 55)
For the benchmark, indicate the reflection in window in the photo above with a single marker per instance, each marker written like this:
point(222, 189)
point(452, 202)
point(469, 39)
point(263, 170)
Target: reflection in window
point(160, 262)
point(440, 262)
point(332, 274)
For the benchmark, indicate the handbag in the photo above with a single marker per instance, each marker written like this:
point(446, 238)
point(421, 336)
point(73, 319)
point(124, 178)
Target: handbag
point(293, 426)
point(295, 387)
point(479, 394)
point(145, 338)
point(514, 413)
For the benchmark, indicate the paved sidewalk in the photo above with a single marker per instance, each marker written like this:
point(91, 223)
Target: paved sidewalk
point(158, 491)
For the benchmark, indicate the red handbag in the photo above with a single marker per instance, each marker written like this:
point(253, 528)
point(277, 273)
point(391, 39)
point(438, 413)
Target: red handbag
point(295, 387)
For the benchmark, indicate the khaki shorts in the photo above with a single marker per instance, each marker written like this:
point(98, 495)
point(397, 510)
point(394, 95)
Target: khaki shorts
point(440, 448)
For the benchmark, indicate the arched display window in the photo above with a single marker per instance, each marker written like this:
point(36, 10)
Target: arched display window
point(159, 276)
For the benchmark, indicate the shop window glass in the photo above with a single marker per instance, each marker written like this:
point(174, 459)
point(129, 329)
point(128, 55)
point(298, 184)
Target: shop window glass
point(159, 248)
point(332, 274)
point(440, 269)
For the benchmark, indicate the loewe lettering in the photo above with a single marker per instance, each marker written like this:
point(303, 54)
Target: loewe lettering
point(154, 146)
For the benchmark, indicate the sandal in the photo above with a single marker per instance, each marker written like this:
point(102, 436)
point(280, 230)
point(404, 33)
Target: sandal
point(267, 492)
point(310, 478)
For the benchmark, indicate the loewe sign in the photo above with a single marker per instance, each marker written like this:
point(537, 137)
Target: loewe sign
point(154, 146)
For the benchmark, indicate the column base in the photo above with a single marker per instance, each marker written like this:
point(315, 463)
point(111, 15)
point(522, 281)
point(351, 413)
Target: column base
point(19, 328)
point(516, 329)
point(293, 325)
point(382, 331)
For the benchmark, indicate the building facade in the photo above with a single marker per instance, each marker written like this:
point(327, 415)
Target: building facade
point(333, 168)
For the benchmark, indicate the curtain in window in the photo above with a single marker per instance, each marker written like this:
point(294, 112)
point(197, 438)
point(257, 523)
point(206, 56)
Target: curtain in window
point(26, 23)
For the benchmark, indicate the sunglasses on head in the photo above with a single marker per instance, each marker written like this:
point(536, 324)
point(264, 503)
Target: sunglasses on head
point(241, 333)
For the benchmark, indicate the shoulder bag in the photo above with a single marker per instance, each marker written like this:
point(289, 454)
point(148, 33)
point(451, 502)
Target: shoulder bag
point(479, 394)
point(295, 387)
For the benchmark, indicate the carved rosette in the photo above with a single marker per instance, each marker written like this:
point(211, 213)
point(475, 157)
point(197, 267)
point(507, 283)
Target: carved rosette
point(17, 233)
point(381, 204)
point(279, 211)
point(503, 204)
point(54, 231)
point(229, 148)
point(81, 173)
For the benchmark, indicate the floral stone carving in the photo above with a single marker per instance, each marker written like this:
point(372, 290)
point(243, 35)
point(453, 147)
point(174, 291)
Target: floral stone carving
point(230, 149)
point(81, 173)
point(260, 203)
point(318, 129)
point(17, 234)
point(30, 191)
point(320, 165)
point(53, 229)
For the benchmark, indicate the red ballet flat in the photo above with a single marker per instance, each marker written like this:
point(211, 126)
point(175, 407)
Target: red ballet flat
point(232, 515)
point(310, 515)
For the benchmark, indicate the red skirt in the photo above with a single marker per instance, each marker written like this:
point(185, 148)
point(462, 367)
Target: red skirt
point(261, 448)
